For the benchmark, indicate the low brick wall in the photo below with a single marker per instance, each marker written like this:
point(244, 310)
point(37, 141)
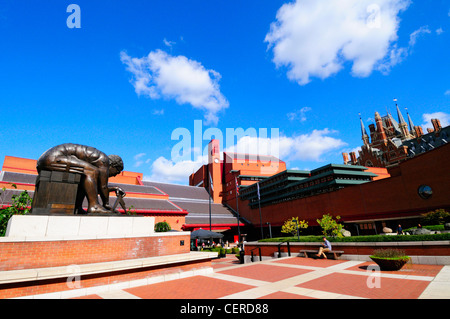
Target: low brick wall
point(16, 255)
point(422, 248)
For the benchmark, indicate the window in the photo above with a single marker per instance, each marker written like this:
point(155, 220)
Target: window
point(425, 191)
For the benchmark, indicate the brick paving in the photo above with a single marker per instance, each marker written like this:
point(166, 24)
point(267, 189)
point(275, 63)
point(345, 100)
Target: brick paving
point(197, 287)
point(299, 278)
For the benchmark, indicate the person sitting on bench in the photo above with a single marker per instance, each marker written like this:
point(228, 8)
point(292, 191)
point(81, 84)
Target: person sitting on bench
point(326, 247)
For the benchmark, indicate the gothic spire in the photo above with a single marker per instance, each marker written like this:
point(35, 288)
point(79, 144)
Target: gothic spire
point(363, 130)
point(402, 123)
point(364, 135)
point(401, 120)
point(410, 122)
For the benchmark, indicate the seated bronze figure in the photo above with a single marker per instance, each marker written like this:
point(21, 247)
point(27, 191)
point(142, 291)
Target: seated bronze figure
point(94, 166)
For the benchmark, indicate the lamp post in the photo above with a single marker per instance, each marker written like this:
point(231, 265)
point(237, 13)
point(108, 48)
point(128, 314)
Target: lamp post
point(298, 235)
point(270, 229)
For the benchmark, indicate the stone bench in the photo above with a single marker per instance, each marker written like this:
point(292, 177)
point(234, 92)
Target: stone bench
point(336, 254)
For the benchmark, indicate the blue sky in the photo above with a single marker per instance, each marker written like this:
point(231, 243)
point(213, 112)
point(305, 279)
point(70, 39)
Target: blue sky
point(134, 75)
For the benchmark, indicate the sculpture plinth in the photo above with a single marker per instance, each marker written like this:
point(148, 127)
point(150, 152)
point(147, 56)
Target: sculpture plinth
point(56, 193)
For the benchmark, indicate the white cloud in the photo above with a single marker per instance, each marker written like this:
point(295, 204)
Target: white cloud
point(315, 38)
point(166, 170)
point(168, 43)
point(447, 92)
point(304, 147)
point(444, 118)
point(413, 36)
point(397, 55)
point(299, 114)
point(439, 31)
point(138, 159)
point(177, 77)
point(158, 112)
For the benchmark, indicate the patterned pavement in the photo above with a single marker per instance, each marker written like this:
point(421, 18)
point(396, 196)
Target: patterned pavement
point(298, 278)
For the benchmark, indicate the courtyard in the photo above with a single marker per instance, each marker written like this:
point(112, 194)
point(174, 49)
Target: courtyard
point(296, 278)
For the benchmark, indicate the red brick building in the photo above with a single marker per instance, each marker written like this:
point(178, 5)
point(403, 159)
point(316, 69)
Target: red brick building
point(366, 198)
point(392, 142)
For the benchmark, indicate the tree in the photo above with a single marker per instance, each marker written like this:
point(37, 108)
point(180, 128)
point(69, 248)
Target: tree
point(437, 217)
point(330, 227)
point(20, 205)
point(290, 226)
point(162, 227)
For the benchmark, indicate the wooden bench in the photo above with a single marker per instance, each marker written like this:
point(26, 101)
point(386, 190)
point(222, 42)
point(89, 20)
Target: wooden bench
point(336, 254)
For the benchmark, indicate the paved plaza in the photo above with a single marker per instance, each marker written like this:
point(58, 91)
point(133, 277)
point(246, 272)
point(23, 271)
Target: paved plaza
point(297, 278)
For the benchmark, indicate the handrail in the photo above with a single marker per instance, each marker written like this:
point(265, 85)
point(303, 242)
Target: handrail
point(251, 253)
point(288, 247)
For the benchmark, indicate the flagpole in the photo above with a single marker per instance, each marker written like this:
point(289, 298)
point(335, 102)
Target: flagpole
point(210, 227)
point(260, 216)
point(237, 209)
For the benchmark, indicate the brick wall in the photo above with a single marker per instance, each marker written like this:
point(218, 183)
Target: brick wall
point(40, 254)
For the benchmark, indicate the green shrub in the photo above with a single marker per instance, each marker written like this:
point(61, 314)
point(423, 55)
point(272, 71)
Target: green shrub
point(20, 206)
point(330, 227)
point(437, 217)
point(389, 253)
point(293, 225)
point(371, 238)
point(162, 227)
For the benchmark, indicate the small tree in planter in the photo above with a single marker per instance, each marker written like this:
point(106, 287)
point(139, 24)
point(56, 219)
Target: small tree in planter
point(390, 259)
point(330, 227)
point(162, 227)
point(292, 225)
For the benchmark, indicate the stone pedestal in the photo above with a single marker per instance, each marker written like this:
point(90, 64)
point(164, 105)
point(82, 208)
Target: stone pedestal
point(77, 226)
point(56, 193)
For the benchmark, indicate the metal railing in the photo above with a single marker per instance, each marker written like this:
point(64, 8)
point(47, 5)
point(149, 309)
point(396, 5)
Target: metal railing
point(252, 255)
point(288, 248)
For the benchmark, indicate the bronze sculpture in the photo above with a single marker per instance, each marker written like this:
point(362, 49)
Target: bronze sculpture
point(94, 166)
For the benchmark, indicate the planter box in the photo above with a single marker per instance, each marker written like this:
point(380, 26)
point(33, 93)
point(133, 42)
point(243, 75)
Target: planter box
point(390, 264)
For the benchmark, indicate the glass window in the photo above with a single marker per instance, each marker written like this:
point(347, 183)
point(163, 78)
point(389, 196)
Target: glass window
point(425, 191)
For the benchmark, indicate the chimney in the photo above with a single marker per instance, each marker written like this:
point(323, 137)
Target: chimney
point(353, 157)
point(436, 124)
point(345, 156)
point(389, 125)
point(418, 130)
point(380, 128)
point(430, 130)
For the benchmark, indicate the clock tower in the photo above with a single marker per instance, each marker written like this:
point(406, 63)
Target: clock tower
point(214, 171)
